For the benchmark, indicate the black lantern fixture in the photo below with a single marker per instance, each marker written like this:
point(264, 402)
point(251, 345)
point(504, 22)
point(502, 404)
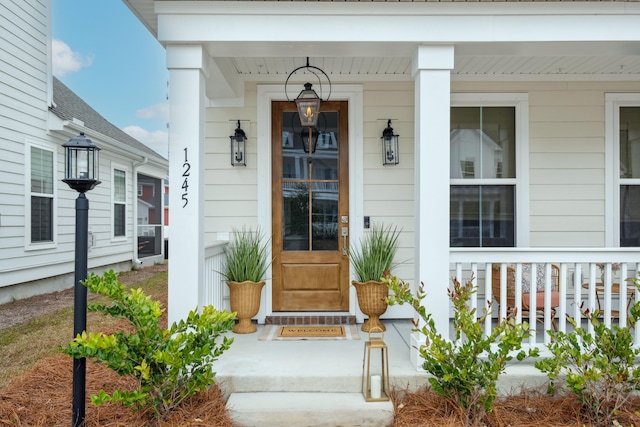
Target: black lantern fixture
point(389, 146)
point(81, 174)
point(238, 147)
point(81, 163)
point(308, 102)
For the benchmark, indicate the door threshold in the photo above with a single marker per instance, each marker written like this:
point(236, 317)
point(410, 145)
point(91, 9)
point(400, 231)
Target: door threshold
point(311, 319)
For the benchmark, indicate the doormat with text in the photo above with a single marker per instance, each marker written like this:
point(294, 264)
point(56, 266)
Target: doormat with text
point(309, 332)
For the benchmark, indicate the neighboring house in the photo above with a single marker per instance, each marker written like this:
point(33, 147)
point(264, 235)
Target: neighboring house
point(37, 210)
point(548, 94)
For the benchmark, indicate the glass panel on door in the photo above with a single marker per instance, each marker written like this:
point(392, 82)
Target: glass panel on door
point(310, 178)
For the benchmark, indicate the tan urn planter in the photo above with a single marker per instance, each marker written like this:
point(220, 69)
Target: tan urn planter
point(244, 298)
point(371, 299)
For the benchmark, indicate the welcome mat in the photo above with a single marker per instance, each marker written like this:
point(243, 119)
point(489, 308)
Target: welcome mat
point(309, 332)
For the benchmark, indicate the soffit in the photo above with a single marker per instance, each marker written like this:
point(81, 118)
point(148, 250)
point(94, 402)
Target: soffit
point(361, 61)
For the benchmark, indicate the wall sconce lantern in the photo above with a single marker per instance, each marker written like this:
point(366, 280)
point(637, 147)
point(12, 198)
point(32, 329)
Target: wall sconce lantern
point(238, 147)
point(308, 102)
point(81, 164)
point(389, 146)
point(375, 375)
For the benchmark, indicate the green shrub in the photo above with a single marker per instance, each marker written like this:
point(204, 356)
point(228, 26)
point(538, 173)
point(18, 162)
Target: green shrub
point(598, 368)
point(169, 364)
point(465, 371)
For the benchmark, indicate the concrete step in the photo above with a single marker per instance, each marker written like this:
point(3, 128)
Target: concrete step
point(307, 409)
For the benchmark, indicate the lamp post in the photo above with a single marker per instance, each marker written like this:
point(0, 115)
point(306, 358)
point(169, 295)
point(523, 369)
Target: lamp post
point(80, 173)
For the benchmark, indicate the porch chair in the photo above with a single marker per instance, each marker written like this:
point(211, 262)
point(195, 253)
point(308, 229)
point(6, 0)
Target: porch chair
point(526, 293)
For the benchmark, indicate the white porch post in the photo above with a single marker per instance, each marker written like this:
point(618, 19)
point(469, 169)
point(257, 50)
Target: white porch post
point(432, 67)
point(186, 177)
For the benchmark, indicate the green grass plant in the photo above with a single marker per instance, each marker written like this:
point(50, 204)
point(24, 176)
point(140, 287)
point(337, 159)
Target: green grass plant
point(376, 253)
point(247, 256)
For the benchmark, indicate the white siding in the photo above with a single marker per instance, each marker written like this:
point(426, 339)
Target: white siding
point(566, 156)
point(231, 193)
point(24, 82)
point(23, 113)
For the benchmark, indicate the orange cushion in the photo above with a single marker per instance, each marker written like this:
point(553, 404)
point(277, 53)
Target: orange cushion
point(555, 299)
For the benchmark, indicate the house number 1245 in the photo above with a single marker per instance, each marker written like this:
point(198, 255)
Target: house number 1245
point(185, 184)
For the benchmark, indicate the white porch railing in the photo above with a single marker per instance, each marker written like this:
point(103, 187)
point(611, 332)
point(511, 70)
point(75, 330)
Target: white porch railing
point(213, 291)
point(580, 283)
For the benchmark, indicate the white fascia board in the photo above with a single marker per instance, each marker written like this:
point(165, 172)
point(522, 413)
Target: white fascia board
point(403, 21)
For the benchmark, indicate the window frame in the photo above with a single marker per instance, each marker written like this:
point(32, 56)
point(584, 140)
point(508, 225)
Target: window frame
point(520, 101)
point(122, 168)
point(613, 103)
point(29, 245)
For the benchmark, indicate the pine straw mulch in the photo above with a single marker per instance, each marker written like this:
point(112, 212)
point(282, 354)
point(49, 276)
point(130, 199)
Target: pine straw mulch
point(530, 409)
point(42, 397)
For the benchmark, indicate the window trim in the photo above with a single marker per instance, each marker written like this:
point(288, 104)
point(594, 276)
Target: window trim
point(520, 101)
point(53, 148)
point(120, 167)
point(613, 103)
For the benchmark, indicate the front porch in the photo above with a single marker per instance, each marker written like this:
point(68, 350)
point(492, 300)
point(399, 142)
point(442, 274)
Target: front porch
point(580, 284)
point(315, 383)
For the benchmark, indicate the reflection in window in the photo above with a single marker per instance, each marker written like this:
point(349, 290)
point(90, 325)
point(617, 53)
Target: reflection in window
point(482, 216)
point(295, 216)
point(629, 173)
point(629, 215)
point(119, 203)
point(41, 195)
point(482, 149)
point(310, 185)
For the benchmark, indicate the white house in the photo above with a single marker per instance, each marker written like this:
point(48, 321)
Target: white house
point(37, 210)
point(554, 86)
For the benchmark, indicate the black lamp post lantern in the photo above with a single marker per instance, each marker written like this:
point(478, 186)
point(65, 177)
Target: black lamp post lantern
point(389, 146)
point(81, 163)
point(80, 173)
point(238, 147)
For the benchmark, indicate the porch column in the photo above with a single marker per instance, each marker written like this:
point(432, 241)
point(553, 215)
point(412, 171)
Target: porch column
point(432, 65)
point(186, 177)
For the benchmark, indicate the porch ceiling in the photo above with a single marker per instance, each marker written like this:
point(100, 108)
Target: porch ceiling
point(468, 65)
point(485, 52)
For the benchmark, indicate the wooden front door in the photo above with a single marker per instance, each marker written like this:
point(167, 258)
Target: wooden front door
point(310, 210)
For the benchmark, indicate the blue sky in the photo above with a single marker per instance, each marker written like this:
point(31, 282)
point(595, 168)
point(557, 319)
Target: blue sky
point(109, 59)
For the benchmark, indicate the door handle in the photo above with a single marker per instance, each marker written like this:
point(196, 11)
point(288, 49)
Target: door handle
point(345, 234)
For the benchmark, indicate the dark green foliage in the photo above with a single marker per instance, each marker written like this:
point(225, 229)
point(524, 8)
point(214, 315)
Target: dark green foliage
point(466, 370)
point(170, 364)
point(599, 368)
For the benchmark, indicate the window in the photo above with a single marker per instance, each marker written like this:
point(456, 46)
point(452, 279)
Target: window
point(629, 173)
point(41, 194)
point(484, 141)
point(119, 203)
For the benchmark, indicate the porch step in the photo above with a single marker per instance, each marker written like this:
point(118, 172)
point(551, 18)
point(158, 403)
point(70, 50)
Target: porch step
point(307, 409)
point(331, 319)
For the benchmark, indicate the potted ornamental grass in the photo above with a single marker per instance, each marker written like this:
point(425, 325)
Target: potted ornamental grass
point(371, 260)
point(246, 264)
